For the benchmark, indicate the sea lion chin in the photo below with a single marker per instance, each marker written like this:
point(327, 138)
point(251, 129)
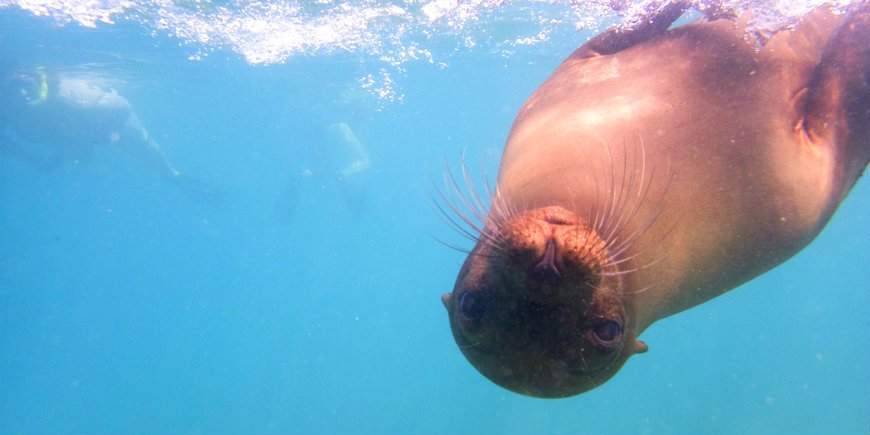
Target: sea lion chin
point(539, 307)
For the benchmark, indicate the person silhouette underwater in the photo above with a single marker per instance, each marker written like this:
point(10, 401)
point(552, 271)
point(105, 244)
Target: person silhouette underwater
point(336, 158)
point(49, 119)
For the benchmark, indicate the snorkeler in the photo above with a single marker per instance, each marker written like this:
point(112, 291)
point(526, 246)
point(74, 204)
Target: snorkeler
point(337, 158)
point(345, 143)
point(50, 119)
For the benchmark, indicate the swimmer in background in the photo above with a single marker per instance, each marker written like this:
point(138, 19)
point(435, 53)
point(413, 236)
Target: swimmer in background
point(340, 159)
point(50, 119)
point(350, 147)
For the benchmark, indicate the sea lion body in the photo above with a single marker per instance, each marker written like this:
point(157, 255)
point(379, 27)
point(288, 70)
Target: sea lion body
point(749, 189)
point(687, 162)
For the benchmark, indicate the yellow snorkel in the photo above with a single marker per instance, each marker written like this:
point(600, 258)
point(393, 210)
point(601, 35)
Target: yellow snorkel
point(41, 82)
point(43, 85)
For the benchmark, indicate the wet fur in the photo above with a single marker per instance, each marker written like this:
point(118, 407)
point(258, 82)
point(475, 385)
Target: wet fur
point(478, 214)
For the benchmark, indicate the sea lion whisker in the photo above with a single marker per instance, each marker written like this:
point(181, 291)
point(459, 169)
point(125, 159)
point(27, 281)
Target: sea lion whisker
point(502, 211)
point(486, 222)
point(615, 261)
point(480, 206)
point(652, 219)
point(594, 211)
point(476, 236)
point(496, 241)
point(454, 225)
point(639, 291)
point(643, 189)
point(664, 253)
point(609, 200)
point(645, 183)
point(601, 288)
point(643, 166)
point(485, 235)
point(615, 217)
point(628, 241)
point(619, 272)
point(631, 239)
point(602, 194)
point(623, 188)
point(655, 261)
point(622, 221)
point(639, 232)
point(463, 197)
point(463, 203)
point(601, 203)
point(472, 229)
point(450, 245)
point(616, 254)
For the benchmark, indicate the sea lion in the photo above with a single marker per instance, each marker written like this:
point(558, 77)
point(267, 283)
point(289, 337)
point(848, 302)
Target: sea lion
point(654, 170)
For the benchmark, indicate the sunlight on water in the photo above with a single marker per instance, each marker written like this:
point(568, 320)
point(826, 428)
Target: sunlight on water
point(385, 33)
point(391, 33)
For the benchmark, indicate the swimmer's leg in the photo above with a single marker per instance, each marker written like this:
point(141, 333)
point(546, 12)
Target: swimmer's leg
point(144, 148)
point(351, 179)
point(343, 137)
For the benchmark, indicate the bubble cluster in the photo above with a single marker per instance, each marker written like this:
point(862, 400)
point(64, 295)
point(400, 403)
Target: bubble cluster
point(385, 32)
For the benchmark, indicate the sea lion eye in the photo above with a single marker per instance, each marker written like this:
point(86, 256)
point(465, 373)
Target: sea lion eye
point(471, 306)
point(607, 332)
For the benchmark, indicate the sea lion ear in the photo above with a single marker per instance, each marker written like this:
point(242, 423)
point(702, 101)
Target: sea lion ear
point(620, 37)
point(638, 346)
point(445, 299)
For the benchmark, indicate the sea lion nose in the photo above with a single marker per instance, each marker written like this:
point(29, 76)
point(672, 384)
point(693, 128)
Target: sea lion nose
point(545, 269)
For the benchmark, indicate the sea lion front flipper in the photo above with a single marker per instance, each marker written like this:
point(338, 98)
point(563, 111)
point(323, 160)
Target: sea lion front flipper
point(619, 38)
point(838, 100)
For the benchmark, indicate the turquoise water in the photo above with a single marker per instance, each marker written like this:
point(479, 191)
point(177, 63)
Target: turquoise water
point(289, 302)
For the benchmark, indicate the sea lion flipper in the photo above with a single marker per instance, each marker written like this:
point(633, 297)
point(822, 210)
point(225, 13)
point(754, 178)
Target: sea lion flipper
point(838, 100)
point(619, 38)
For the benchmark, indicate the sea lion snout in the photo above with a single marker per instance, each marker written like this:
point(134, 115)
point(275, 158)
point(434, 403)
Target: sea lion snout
point(545, 270)
point(552, 250)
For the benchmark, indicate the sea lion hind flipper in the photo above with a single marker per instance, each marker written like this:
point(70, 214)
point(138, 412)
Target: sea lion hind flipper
point(620, 37)
point(838, 100)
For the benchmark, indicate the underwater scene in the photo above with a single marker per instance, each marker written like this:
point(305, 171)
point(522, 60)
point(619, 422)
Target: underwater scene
point(248, 217)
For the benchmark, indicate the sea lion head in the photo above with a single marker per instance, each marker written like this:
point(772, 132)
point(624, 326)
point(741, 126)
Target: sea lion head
point(539, 307)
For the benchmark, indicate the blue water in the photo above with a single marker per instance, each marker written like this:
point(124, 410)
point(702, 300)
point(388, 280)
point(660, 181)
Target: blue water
point(294, 306)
